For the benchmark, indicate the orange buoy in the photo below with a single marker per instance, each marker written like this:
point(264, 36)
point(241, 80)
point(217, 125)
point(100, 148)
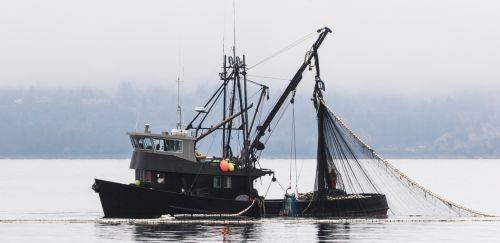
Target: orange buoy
point(224, 165)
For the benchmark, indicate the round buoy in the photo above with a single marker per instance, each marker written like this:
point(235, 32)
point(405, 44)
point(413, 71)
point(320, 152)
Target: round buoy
point(224, 166)
point(231, 167)
point(137, 182)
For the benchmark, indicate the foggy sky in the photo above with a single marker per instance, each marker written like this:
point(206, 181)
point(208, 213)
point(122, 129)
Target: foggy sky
point(400, 45)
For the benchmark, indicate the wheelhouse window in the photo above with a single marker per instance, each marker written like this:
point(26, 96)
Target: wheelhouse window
point(148, 143)
point(222, 182)
point(142, 142)
point(217, 182)
point(173, 145)
point(226, 182)
point(132, 140)
point(139, 175)
point(159, 144)
point(144, 175)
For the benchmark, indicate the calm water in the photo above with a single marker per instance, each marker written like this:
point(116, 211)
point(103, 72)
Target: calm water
point(52, 202)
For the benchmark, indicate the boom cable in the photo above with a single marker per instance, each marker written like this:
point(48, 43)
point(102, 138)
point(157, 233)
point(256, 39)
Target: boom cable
point(286, 48)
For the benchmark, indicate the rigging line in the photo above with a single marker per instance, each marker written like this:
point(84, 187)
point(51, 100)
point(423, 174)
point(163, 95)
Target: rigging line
point(255, 82)
point(276, 124)
point(260, 120)
point(294, 141)
point(291, 159)
point(196, 177)
point(293, 44)
point(212, 142)
point(210, 100)
point(268, 187)
point(268, 77)
point(282, 188)
point(349, 150)
point(214, 102)
point(272, 130)
point(255, 93)
point(300, 172)
point(342, 160)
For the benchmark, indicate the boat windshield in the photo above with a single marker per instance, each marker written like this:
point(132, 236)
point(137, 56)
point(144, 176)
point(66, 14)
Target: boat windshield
point(158, 144)
point(142, 142)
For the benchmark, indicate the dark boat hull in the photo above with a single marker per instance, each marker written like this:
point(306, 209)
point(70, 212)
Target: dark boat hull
point(370, 205)
point(130, 201)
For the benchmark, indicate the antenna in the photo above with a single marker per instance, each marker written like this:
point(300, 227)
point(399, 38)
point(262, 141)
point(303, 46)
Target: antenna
point(179, 104)
point(179, 108)
point(224, 32)
point(234, 29)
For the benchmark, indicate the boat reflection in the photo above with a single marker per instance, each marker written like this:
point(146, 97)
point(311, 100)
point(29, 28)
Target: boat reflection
point(279, 230)
point(332, 232)
point(197, 232)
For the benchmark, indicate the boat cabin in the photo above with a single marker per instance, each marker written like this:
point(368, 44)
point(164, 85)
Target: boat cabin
point(176, 144)
point(168, 161)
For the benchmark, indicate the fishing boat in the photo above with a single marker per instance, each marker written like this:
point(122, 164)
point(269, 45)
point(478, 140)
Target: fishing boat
point(172, 177)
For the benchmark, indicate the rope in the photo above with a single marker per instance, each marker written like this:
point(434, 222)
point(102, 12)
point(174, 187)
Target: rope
point(291, 159)
point(268, 187)
point(269, 77)
point(272, 130)
point(293, 44)
point(246, 209)
point(208, 213)
point(282, 188)
point(309, 204)
point(294, 142)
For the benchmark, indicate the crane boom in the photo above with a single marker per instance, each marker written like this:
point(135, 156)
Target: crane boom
point(261, 130)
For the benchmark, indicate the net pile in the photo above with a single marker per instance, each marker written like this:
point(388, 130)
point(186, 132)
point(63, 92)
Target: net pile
point(353, 167)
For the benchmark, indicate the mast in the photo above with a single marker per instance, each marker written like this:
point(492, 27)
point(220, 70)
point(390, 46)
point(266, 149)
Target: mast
point(224, 77)
point(234, 91)
point(232, 63)
point(246, 132)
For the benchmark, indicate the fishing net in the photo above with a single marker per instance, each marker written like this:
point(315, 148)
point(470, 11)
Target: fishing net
point(353, 167)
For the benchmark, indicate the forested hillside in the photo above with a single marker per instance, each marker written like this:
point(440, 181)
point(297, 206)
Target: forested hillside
point(86, 122)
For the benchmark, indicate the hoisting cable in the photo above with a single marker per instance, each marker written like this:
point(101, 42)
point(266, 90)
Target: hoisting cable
point(269, 186)
point(268, 77)
point(265, 195)
point(282, 188)
point(292, 145)
point(272, 130)
point(293, 44)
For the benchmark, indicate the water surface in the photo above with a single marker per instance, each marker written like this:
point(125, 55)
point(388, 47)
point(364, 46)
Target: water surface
point(51, 201)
